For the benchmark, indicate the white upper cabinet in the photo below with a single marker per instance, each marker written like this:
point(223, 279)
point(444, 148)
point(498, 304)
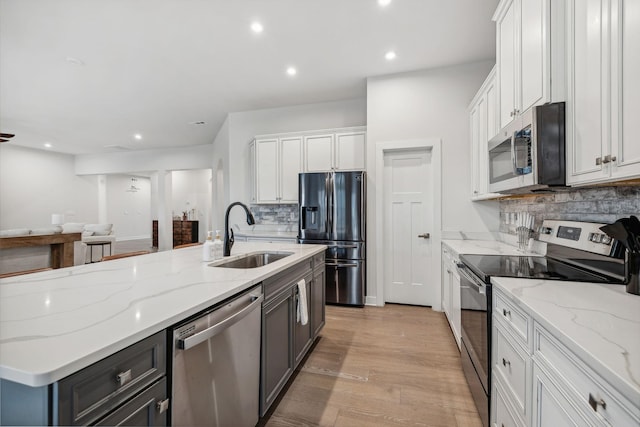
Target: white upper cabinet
point(278, 162)
point(483, 125)
point(523, 56)
point(350, 150)
point(625, 83)
point(603, 90)
point(335, 151)
point(319, 152)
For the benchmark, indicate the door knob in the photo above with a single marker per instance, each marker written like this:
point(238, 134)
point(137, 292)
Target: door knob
point(424, 235)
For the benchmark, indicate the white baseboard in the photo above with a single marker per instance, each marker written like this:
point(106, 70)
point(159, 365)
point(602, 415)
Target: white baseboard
point(371, 301)
point(127, 238)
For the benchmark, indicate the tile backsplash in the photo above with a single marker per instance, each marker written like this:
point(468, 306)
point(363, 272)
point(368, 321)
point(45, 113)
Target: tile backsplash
point(600, 204)
point(275, 214)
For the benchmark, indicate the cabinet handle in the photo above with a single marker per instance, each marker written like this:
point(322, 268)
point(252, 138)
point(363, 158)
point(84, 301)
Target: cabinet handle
point(505, 362)
point(123, 377)
point(608, 158)
point(162, 406)
point(596, 402)
point(598, 161)
point(424, 235)
point(510, 113)
point(506, 312)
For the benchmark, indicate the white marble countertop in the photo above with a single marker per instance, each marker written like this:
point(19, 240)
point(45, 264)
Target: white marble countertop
point(599, 323)
point(57, 322)
point(483, 247)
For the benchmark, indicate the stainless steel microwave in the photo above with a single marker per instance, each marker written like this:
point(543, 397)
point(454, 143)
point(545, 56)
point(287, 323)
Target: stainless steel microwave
point(528, 155)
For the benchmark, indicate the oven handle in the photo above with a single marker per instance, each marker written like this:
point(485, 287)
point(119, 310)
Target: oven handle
point(481, 287)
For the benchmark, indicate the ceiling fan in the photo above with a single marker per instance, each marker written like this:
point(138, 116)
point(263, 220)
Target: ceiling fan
point(4, 137)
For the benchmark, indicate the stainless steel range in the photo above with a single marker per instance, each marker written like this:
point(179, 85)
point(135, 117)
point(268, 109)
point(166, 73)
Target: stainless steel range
point(576, 252)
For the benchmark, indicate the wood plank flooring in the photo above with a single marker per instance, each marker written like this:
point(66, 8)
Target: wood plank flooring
point(392, 366)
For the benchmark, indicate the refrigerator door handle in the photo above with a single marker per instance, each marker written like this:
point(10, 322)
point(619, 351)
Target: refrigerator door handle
point(330, 190)
point(327, 198)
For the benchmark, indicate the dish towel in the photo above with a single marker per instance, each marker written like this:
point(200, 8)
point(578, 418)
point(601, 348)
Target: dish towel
point(302, 313)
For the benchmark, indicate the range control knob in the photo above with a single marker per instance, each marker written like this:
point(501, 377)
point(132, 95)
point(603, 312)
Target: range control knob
point(545, 230)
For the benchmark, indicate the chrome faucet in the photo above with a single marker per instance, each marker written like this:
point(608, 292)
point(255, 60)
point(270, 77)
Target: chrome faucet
point(228, 232)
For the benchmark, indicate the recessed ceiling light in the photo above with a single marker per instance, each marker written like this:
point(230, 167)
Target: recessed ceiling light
point(292, 71)
point(390, 56)
point(137, 136)
point(257, 27)
point(48, 145)
point(384, 3)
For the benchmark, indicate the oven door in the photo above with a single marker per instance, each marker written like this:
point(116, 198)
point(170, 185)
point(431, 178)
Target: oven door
point(475, 301)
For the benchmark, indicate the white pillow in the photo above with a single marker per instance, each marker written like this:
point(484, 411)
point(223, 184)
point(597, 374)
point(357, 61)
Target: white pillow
point(99, 227)
point(73, 227)
point(87, 233)
point(14, 232)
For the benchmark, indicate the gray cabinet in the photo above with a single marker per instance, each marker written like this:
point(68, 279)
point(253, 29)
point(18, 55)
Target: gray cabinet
point(285, 340)
point(122, 389)
point(277, 340)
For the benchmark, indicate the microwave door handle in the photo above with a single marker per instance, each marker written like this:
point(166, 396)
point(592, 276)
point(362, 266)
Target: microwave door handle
point(514, 160)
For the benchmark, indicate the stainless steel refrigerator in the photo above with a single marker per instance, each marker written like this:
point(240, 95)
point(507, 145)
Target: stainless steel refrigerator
point(332, 212)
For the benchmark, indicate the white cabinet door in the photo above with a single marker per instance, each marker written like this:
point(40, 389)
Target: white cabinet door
point(267, 170)
point(492, 108)
point(446, 284)
point(455, 304)
point(475, 150)
point(252, 170)
point(533, 54)
point(290, 163)
point(551, 407)
point(350, 151)
point(625, 95)
point(586, 109)
point(319, 152)
point(506, 49)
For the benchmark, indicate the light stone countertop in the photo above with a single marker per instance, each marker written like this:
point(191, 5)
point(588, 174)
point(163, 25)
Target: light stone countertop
point(599, 323)
point(57, 322)
point(483, 247)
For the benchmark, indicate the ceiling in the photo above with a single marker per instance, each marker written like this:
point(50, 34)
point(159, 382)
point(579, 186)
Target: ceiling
point(86, 75)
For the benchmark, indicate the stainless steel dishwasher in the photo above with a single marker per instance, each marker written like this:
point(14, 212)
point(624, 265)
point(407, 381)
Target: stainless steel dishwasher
point(216, 365)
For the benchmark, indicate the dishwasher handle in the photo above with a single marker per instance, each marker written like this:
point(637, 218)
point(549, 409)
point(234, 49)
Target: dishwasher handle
point(195, 339)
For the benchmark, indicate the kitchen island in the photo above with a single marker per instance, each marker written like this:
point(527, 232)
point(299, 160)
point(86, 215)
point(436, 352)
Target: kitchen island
point(55, 323)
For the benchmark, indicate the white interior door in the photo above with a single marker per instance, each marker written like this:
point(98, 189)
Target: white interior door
point(408, 199)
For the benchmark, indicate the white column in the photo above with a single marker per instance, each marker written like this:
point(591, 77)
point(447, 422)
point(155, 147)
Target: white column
point(161, 201)
point(102, 199)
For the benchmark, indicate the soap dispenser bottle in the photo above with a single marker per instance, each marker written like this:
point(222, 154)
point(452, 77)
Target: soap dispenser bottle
point(218, 246)
point(207, 248)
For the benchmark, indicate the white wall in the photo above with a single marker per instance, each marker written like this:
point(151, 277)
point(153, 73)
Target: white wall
point(36, 183)
point(129, 212)
point(192, 190)
point(220, 175)
point(244, 126)
point(422, 105)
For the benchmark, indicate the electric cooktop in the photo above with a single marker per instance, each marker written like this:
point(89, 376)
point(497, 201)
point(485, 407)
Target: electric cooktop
point(530, 267)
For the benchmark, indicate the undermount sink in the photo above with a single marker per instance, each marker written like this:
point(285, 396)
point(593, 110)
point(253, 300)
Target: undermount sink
point(253, 260)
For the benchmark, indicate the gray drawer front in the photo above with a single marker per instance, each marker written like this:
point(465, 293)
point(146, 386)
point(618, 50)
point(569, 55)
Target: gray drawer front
point(142, 410)
point(318, 260)
point(89, 394)
point(273, 285)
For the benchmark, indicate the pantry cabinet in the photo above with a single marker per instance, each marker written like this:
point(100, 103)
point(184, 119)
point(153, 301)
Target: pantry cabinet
point(451, 291)
point(278, 161)
point(483, 125)
point(603, 92)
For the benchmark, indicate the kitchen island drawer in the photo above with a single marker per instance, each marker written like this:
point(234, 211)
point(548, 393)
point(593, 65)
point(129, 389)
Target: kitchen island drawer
point(149, 408)
point(591, 393)
point(89, 394)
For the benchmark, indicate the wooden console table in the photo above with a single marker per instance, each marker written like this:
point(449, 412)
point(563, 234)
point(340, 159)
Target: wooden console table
point(61, 246)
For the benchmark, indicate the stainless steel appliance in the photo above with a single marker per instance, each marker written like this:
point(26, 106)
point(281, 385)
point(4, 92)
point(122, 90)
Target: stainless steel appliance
point(332, 213)
point(529, 154)
point(216, 365)
point(576, 252)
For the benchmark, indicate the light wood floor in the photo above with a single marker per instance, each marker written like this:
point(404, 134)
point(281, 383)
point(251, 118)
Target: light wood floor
point(391, 366)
